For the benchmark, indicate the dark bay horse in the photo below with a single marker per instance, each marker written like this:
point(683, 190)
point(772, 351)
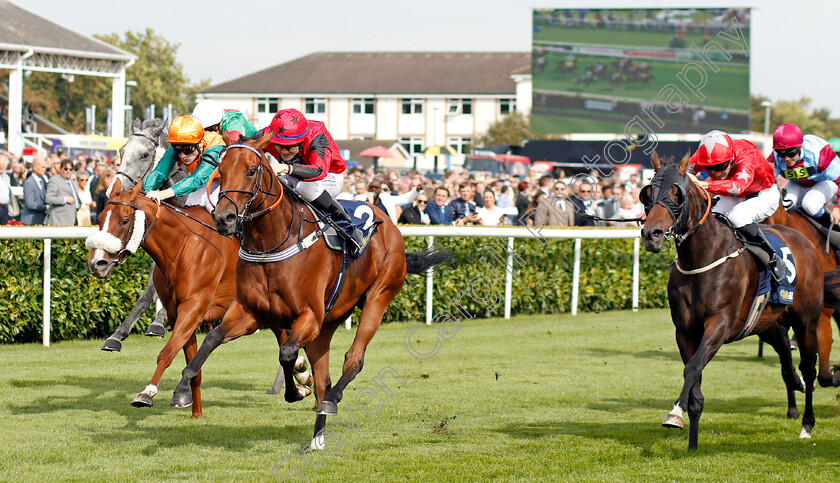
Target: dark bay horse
point(195, 271)
point(711, 288)
point(827, 376)
point(292, 293)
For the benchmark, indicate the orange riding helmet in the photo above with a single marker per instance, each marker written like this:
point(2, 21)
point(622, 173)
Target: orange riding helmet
point(185, 130)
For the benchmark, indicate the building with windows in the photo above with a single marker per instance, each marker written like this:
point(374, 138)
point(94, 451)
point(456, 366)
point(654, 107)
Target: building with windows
point(420, 99)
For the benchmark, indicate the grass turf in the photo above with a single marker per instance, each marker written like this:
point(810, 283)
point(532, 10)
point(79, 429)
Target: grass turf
point(534, 398)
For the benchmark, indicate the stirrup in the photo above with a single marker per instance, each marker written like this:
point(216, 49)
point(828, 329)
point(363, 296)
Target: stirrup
point(777, 269)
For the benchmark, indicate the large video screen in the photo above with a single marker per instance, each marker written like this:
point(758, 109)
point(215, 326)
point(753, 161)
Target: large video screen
point(662, 70)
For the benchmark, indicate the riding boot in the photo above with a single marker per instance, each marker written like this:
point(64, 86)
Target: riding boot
point(333, 208)
point(776, 264)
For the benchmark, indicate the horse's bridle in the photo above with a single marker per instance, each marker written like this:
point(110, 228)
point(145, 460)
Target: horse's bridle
point(135, 181)
point(246, 214)
point(657, 193)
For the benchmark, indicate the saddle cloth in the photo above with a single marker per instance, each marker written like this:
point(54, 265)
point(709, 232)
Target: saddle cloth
point(362, 217)
point(784, 292)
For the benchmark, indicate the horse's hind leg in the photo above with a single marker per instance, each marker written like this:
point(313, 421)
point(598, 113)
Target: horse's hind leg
point(807, 338)
point(777, 337)
point(147, 298)
point(318, 352)
point(826, 376)
point(237, 322)
point(189, 352)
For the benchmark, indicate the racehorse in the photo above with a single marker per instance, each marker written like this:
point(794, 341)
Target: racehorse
point(194, 270)
point(292, 293)
point(711, 288)
point(139, 156)
point(827, 376)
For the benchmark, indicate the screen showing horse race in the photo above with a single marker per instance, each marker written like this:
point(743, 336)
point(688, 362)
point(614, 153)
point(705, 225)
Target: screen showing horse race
point(659, 70)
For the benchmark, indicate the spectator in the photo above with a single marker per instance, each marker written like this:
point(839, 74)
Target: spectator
point(555, 210)
point(439, 209)
point(100, 191)
point(582, 199)
point(389, 202)
point(361, 191)
point(478, 194)
point(521, 203)
point(61, 197)
point(5, 196)
point(628, 210)
point(416, 213)
point(34, 208)
point(463, 208)
point(490, 214)
point(83, 216)
point(503, 200)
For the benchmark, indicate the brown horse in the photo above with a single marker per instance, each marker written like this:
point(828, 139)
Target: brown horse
point(195, 270)
point(292, 293)
point(827, 376)
point(711, 288)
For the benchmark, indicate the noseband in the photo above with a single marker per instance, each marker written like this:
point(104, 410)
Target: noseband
point(127, 247)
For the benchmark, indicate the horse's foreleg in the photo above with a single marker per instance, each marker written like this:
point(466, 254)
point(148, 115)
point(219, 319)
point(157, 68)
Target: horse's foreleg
point(189, 352)
point(147, 298)
point(236, 323)
point(807, 339)
point(695, 410)
point(777, 337)
point(188, 319)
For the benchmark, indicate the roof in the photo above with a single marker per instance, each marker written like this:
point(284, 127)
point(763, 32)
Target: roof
point(468, 73)
point(22, 30)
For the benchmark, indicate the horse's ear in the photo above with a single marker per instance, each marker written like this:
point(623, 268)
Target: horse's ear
point(116, 187)
point(138, 189)
point(160, 127)
point(263, 141)
point(654, 160)
point(138, 124)
point(226, 138)
point(683, 166)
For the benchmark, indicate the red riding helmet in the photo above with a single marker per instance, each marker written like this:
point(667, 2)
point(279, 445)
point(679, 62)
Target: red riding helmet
point(787, 136)
point(289, 126)
point(715, 148)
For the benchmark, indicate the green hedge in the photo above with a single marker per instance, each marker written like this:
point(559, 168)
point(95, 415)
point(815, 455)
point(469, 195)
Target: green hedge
point(85, 307)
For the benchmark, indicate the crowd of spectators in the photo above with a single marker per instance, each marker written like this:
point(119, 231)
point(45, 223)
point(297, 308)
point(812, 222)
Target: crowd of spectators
point(475, 198)
point(53, 189)
point(453, 198)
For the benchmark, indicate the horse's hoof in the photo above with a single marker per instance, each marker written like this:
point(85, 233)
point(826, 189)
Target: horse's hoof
point(303, 390)
point(181, 400)
point(155, 330)
point(673, 421)
point(806, 433)
point(300, 364)
point(112, 345)
point(328, 408)
point(304, 378)
point(143, 400)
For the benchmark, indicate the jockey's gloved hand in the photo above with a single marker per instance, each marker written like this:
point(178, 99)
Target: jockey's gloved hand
point(160, 194)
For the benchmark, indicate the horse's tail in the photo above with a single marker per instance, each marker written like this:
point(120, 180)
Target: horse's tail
point(831, 298)
point(419, 262)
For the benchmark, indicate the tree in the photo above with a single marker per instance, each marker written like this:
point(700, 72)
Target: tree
point(817, 121)
point(511, 129)
point(160, 81)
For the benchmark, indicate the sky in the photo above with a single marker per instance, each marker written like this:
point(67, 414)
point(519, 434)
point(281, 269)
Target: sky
point(790, 46)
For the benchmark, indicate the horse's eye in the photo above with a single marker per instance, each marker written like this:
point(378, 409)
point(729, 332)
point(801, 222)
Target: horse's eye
point(124, 222)
point(251, 172)
point(145, 155)
point(677, 196)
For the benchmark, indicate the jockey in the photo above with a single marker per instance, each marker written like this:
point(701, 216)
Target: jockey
point(835, 145)
point(812, 169)
point(211, 115)
point(308, 153)
point(197, 152)
point(743, 179)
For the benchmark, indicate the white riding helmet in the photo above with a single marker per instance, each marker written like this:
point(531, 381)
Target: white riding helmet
point(208, 112)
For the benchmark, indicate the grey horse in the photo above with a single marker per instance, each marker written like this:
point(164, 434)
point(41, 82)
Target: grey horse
point(139, 156)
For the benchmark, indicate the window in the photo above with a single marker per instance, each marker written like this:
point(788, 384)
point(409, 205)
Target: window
point(462, 145)
point(414, 145)
point(268, 104)
point(507, 106)
point(412, 106)
point(460, 106)
point(363, 106)
point(314, 105)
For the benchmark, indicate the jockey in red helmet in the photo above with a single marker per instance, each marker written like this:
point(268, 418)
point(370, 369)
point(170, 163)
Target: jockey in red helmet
point(812, 169)
point(744, 180)
point(308, 153)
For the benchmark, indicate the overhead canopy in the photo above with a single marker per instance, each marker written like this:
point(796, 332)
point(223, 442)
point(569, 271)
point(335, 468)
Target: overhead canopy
point(29, 42)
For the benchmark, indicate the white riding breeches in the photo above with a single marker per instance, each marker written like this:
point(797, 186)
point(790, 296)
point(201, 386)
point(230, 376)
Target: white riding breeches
point(812, 199)
point(310, 190)
point(199, 197)
point(743, 211)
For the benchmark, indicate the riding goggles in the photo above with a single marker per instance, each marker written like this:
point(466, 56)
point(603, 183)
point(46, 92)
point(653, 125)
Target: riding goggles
point(718, 167)
point(184, 148)
point(788, 153)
